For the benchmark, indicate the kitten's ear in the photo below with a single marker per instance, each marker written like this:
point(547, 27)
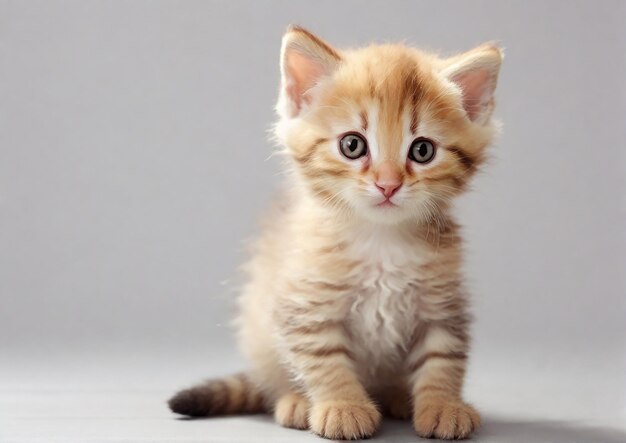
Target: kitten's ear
point(304, 60)
point(476, 73)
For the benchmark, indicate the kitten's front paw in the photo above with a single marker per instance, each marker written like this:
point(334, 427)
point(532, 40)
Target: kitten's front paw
point(291, 411)
point(445, 418)
point(342, 420)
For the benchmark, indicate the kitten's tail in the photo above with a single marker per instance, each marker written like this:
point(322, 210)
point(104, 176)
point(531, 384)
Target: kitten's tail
point(229, 395)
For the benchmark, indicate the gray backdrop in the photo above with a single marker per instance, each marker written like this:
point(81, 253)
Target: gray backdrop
point(134, 165)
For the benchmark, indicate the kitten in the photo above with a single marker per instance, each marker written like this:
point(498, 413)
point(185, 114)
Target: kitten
point(356, 304)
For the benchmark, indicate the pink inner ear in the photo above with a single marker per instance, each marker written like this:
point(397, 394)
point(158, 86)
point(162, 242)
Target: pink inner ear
point(303, 73)
point(477, 86)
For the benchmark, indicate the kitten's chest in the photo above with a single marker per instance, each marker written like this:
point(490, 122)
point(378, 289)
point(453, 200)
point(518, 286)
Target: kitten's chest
point(384, 307)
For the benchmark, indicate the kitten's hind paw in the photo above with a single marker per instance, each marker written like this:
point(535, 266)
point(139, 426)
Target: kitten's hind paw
point(292, 411)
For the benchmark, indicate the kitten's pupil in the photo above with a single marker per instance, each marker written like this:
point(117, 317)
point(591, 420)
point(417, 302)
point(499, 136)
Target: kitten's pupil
point(354, 143)
point(423, 149)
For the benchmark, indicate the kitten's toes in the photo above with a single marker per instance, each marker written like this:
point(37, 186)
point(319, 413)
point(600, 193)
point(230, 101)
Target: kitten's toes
point(342, 420)
point(446, 419)
point(292, 411)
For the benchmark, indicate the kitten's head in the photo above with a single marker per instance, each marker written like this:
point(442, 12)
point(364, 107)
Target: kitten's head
point(386, 132)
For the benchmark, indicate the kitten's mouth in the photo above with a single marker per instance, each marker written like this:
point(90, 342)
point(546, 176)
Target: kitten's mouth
point(386, 204)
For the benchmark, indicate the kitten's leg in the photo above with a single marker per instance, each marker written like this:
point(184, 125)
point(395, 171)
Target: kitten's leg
point(437, 367)
point(292, 410)
point(316, 349)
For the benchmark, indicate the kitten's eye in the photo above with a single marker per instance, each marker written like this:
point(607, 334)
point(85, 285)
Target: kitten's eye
point(422, 150)
point(353, 146)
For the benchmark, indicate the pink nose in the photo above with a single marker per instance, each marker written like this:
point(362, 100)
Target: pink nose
point(387, 188)
point(389, 179)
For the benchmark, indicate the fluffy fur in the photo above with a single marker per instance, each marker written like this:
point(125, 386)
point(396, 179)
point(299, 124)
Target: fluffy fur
point(355, 304)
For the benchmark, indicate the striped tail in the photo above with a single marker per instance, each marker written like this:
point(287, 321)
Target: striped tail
point(229, 395)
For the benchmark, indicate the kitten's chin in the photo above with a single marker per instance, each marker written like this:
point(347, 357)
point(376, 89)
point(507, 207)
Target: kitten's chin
point(387, 214)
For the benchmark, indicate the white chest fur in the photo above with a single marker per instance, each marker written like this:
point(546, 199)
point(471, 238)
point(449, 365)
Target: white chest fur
point(383, 313)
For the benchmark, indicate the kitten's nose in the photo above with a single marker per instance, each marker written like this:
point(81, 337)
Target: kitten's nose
point(389, 179)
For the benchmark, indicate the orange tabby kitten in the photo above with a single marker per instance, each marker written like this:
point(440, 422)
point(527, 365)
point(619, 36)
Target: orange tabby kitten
point(356, 304)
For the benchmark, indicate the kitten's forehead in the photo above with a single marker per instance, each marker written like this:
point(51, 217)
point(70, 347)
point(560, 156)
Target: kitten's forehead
point(390, 75)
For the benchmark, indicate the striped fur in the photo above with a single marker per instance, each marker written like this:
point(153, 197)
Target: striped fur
point(230, 395)
point(352, 308)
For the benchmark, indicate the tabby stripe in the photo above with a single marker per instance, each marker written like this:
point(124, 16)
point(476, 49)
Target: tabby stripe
point(467, 161)
point(332, 378)
point(315, 328)
point(333, 172)
point(451, 381)
point(364, 121)
point(413, 119)
point(431, 388)
point(330, 373)
point(456, 178)
point(443, 355)
point(308, 154)
point(248, 393)
point(221, 397)
point(321, 286)
point(446, 287)
point(233, 393)
point(320, 352)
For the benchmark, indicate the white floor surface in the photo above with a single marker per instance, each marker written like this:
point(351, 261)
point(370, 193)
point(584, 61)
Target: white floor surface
point(104, 395)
